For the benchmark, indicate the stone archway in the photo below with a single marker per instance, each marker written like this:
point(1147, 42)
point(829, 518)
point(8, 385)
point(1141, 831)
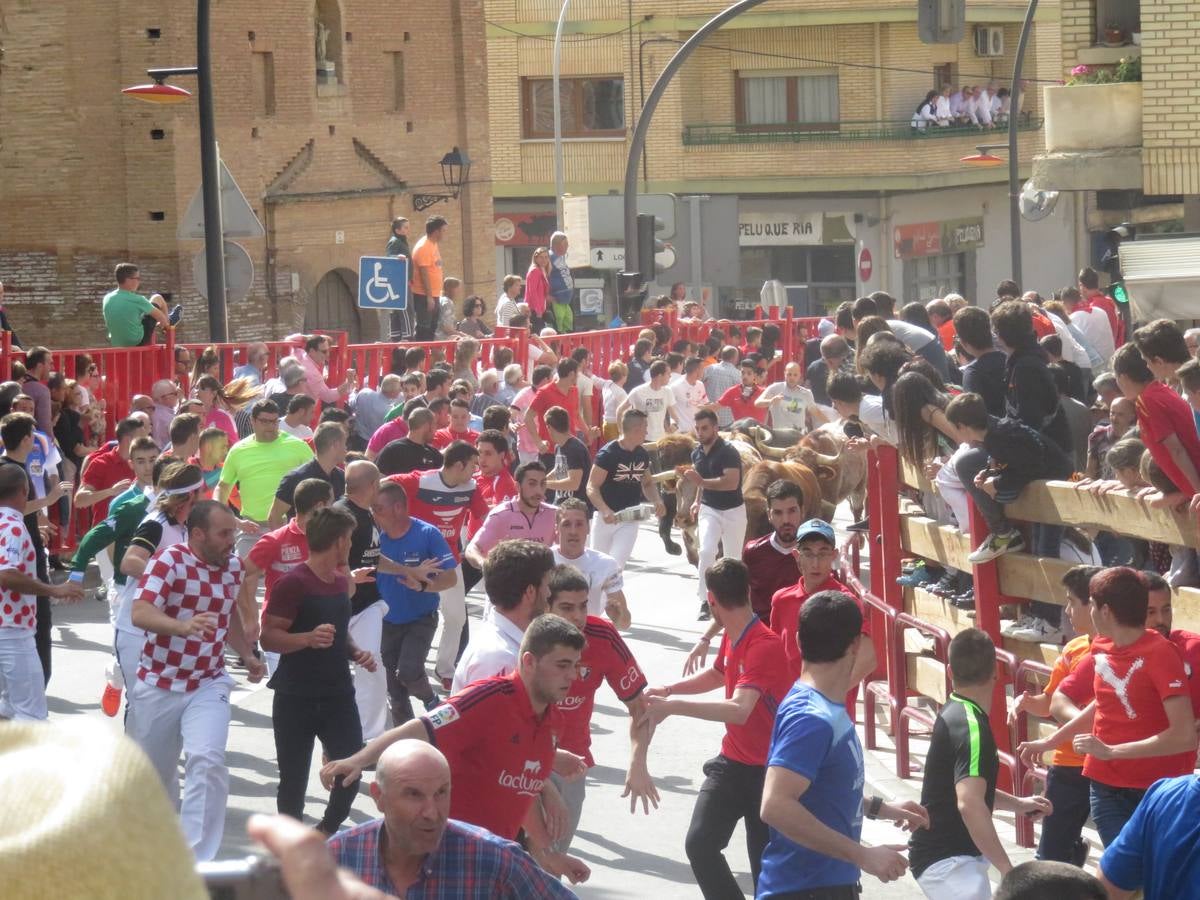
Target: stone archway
point(333, 305)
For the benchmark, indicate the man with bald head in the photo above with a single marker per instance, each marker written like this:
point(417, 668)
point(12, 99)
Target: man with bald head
point(165, 394)
point(367, 607)
point(417, 850)
point(789, 402)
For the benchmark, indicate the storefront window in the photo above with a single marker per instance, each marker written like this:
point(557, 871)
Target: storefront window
point(827, 271)
point(932, 277)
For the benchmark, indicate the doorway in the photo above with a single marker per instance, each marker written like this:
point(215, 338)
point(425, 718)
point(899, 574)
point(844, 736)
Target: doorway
point(332, 306)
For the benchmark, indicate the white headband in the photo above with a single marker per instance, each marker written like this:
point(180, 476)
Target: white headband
point(187, 489)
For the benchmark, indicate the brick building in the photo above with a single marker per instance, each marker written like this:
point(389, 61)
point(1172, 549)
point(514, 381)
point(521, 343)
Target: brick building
point(791, 128)
point(89, 178)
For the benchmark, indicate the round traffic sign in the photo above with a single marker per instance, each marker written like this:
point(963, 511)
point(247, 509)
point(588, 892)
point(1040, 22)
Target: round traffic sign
point(865, 267)
point(239, 272)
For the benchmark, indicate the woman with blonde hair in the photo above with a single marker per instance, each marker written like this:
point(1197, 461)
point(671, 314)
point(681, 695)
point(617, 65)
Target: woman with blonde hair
point(537, 288)
point(465, 352)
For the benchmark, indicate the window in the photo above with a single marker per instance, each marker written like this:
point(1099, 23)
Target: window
point(397, 81)
point(929, 277)
point(785, 101)
point(264, 83)
point(591, 107)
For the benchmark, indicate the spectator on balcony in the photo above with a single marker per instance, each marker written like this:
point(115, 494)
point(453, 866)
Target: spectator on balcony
point(979, 108)
point(926, 112)
point(1001, 106)
point(958, 105)
point(465, 353)
point(255, 368)
point(399, 326)
point(562, 284)
point(446, 322)
point(537, 288)
point(941, 107)
point(313, 358)
point(506, 303)
point(129, 317)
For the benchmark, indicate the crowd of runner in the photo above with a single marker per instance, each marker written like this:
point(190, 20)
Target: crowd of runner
point(368, 514)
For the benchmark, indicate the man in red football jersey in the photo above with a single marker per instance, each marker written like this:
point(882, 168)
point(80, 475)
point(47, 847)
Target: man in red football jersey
point(1159, 616)
point(606, 657)
point(500, 737)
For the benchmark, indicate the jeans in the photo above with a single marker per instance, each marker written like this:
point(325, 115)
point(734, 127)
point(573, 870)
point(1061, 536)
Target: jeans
point(1068, 791)
point(967, 465)
point(298, 721)
point(403, 651)
point(1047, 541)
point(424, 317)
point(1112, 807)
point(731, 791)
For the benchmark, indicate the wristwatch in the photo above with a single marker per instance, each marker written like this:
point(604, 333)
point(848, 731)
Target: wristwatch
point(874, 804)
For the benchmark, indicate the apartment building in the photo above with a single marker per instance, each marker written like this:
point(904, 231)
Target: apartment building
point(786, 140)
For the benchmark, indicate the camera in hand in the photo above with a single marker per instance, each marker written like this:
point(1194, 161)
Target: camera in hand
point(251, 878)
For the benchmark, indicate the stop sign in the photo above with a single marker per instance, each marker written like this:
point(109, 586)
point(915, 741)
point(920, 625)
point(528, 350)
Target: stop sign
point(864, 265)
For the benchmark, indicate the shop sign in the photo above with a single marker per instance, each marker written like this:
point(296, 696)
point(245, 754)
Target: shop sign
point(780, 229)
point(524, 229)
point(935, 238)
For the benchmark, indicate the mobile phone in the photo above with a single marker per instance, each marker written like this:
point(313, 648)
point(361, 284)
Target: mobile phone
point(853, 429)
point(250, 878)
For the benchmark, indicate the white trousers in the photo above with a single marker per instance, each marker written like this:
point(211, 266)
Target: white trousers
point(164, 723)
point(957, 878)
point(22, 683)
point(453, 607)
point(129, 648)
point(370, 688)
point(616, 540)
point(717, 526)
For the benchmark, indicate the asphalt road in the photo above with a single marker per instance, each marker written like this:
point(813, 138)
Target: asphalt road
point(630, 855)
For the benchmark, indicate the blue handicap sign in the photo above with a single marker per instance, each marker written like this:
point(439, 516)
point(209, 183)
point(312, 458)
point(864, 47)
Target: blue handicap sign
point(382, 282)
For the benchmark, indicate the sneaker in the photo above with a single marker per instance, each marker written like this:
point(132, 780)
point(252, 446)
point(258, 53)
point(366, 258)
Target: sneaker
point(1037, 631)
point(965, 600)
point(176, 314)
point(705, 614)
point(997, 545)
point(946, 586)
point(1022, 621)
point(1079, 853)
point(110, 701)
point(921, 574)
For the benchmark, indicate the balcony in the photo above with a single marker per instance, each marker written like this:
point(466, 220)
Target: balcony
point(1093, 138)
point(840, 132)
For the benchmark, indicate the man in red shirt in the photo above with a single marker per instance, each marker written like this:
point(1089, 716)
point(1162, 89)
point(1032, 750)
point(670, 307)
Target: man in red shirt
point(278, 552)
point(459, 428)
point(562, 391)
point(606, 657)
point(1136, 723)
point(445, 498)
point(816, 554)
point(740, 398)
point(1159, 617)
point(107, 472)
point(753, 670)
point(500, 736)
point(1089, 287)
point(493, 484)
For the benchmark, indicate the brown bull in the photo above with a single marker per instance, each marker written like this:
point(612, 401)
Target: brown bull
point(761, 476)
point(841, 471)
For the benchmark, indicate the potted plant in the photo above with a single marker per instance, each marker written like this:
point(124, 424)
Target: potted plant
point(1099, 107)
point(1114, 34)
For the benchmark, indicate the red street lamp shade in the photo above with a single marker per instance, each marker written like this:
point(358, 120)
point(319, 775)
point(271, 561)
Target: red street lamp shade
point(158, 93)
point(983, 159)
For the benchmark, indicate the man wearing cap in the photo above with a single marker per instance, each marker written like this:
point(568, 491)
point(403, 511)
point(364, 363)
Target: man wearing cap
point(817, 555)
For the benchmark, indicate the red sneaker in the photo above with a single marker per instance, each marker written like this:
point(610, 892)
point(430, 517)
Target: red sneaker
point(110, 702)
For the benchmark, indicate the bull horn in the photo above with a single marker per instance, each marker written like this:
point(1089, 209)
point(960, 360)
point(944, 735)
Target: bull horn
point(778, 454)
point(824, 460)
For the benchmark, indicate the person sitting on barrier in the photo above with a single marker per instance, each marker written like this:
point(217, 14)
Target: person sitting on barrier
point(129, 317)
point(1016, 456)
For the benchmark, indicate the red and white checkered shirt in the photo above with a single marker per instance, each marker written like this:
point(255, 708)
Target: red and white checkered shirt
point(16, 553)
point(182, 585)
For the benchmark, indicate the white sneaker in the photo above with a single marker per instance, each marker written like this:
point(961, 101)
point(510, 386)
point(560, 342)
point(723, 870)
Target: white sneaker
point(1038, 631)
point(1022, 621)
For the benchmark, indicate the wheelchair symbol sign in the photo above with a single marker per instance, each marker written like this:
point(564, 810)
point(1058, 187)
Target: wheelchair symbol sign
point(382, 282)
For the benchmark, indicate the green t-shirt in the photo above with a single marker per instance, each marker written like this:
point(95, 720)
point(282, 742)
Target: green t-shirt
point(123, 311)
point(257, 468)
point(395, 412)
point(124, 516)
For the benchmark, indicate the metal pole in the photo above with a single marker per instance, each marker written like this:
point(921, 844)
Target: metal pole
point(558, 144)
point(210, 182)
point(1014, 178)
point(638, 143)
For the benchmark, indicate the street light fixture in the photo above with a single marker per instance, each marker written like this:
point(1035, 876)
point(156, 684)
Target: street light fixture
point(982, 158)
point(157, 92)
point(456, 173)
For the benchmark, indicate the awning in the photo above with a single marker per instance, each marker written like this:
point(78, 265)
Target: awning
point(1162, 276)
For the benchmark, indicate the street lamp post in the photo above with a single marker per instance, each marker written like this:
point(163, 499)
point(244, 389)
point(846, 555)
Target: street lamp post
point(559, 178)
point(210, 183)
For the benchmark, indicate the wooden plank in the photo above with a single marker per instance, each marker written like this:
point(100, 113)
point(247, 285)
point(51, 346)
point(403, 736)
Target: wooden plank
point(927, 677)
point(924, 537)
point(929, 607)
point(1043, 653)
point(1185, 606)
point(1032, 577)
point(914, 477)
point(1119, 512)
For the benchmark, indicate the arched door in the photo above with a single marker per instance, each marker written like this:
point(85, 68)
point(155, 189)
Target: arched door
point(332, 305)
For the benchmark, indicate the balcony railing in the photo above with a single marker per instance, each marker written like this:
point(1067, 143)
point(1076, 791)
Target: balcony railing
point(706, 135)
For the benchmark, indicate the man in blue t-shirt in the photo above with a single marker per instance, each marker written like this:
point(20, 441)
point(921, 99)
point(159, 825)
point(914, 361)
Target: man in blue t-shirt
point(562, 285)
point(813, 795)
point(1158, 850)
point(415, 563)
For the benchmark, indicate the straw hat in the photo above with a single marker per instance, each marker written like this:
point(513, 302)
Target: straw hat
point(85, 816)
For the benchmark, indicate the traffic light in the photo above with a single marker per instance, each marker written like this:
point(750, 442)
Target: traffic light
point(1111, 261)
point(649, 247)
point(631, 295)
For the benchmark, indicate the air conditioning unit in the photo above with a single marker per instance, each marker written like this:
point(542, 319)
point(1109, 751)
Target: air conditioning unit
point(989, 40)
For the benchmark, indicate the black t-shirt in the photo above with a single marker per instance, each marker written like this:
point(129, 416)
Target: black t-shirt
point(637, 373)
point(626, 469)
point(986, 377)
point(309, 601)
point(405, 455)
point(281, 400)
point(817, 376)
point(962, 746)
point(574, 454)
point(713, 464)
point(311, 469)
point(364, 551)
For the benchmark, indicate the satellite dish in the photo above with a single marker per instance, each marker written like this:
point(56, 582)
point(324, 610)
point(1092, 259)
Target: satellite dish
point(1035, 203)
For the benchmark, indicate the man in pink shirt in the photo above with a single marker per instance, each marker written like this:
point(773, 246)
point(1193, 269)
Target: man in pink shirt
point(385, 434)
point(526, 516)
point(314, 358)
point(528, 445)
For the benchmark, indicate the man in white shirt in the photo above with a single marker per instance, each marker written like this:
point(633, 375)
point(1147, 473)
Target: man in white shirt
point(788, 401)
point(690, 395)
point(606, 586)
point(941, 108)
point(958, 104)
point(1092, 322)
point(656, 400)
point(516, 580)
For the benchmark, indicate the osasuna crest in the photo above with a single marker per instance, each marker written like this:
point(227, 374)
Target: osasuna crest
point(584, 672)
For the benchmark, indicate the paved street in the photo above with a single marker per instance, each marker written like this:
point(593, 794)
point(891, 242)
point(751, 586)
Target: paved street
point(630, 856)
